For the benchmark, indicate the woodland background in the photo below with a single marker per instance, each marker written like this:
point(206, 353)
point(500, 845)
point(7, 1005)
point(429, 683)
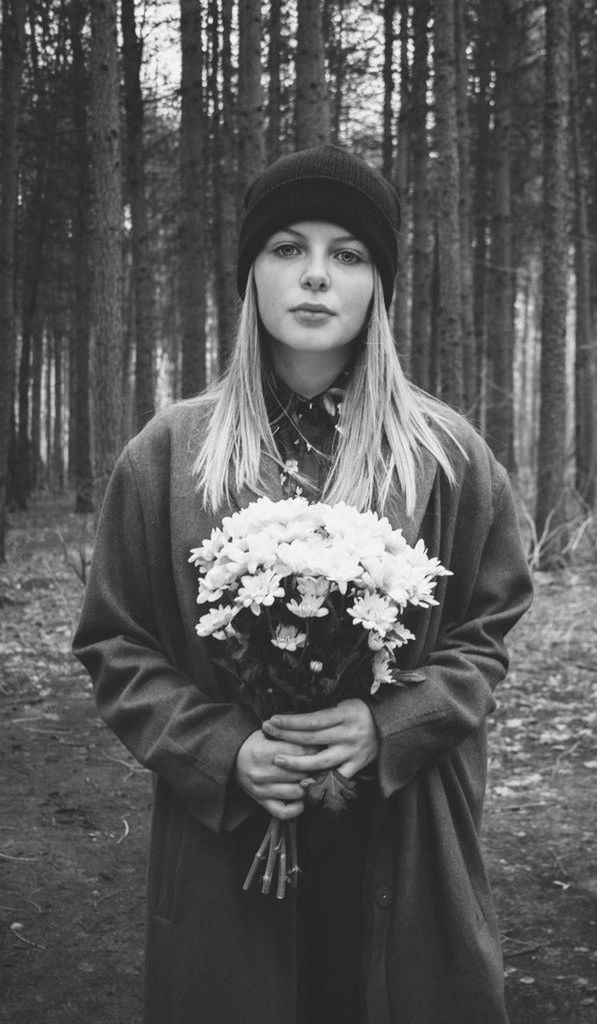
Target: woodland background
point(130, 131)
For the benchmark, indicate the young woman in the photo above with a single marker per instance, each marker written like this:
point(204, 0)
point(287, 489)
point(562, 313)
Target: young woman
point(392, 922)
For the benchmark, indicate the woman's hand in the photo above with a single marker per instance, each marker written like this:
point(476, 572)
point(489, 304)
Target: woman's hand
point(346, 733)
point(261, 776)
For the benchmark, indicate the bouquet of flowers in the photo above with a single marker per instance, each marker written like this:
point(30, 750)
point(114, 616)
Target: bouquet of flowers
point(309, 601)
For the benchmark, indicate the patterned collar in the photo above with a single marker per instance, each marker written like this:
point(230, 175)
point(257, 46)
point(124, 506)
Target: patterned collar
point(284, 403)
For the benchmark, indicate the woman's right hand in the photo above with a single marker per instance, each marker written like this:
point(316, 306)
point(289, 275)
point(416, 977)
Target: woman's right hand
point(276, 789)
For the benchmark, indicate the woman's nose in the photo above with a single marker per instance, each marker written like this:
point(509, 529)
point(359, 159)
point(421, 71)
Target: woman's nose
point(315, 275)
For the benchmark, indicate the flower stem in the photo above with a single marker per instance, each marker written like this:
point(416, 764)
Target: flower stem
point(274, 835)
point(281, 847)
point(259, 856)
point(293, 872)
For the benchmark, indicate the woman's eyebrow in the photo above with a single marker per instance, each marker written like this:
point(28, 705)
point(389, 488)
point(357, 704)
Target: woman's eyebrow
point(336, 240)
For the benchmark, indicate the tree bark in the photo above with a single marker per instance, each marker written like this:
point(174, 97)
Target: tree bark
point(422, 233)
point(387, 164)
point(193, 168)
point(402, 187)
point(448, 201)
point(274, 92)
point(501, 276)
point(81, 469)
point(142, 270)
point(224, 165)
point(106, 243)
point(13, 32)
point(585, 370)
point(251, 135)
point(36, 377)
point(481, 204)
point(312, 112)
point(551, 470)
point(58, 414)
point(469, 375)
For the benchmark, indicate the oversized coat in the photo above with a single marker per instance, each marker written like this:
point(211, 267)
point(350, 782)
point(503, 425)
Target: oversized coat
point(214, 953)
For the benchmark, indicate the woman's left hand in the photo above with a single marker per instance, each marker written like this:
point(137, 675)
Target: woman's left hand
point(345, 736)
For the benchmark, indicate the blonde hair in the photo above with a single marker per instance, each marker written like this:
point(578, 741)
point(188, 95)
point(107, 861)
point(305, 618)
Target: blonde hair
point(384, 422)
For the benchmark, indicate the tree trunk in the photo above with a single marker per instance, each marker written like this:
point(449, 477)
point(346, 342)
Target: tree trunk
point(143, 287)
point(501, 277)
point(448, 202)
point(389, 10)
point(481, 205)
point(402, 188)
point(551, 470)
point(13, 33)
point(274, 92)
point(312, 113)
point(80, 426)
point(469, 377)
point(36, 375)
point(107, 243)
point(58, 414)
point(251, 138)
point(585, 370)
point(337, 62)
point(193, 167)
point(50, 363)
point(422, 237)
point(225, 178)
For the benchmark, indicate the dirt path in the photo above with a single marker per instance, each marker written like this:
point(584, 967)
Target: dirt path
point(74, 806)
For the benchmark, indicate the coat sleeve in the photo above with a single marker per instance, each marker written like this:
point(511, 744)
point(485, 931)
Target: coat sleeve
point(130, 638)
point(419, 724)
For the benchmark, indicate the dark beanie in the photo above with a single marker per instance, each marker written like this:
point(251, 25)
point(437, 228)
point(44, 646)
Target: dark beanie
point(325, 183)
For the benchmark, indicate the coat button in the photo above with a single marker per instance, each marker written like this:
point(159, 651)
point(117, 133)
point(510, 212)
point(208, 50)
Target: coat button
point(383, 895)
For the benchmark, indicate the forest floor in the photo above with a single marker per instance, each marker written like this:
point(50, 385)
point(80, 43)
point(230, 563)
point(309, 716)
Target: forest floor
point(74, 806)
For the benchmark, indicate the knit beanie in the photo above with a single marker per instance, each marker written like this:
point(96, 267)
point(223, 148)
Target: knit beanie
point(325, 183)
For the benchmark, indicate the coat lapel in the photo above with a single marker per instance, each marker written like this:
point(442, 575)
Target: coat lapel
point(272, 485)
point(395, 508)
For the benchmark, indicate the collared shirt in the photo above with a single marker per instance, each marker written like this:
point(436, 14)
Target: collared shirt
point(305, 431)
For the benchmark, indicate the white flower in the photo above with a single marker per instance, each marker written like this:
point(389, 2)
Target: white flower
point(307, 608)
point(399, 636)
point(298, 555)
point(263, 514)
point(316, 666)
point(375, 641)
point(261, 589)
point(248, 554)
point(209, 550)
point(288, 638)
point(373, 611)
point(336, 563)
point(382, 673)
point(313, 586)
point(215, 620)
point(214, 583)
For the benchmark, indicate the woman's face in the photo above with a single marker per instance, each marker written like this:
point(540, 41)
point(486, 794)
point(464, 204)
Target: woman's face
point(314, 286)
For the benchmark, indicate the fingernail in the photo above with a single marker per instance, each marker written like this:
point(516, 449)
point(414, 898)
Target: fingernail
point(305, 783)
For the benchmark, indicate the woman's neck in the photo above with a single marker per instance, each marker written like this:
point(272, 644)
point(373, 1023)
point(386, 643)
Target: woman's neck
point(309, 373)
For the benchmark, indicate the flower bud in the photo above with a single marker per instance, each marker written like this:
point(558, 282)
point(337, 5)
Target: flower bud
point(375, 641)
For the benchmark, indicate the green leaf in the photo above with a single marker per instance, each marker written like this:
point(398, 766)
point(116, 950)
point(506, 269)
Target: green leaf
point(332, 791)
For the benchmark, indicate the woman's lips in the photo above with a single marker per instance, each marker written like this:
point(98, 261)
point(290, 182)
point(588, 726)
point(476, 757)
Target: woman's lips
point(312, 314)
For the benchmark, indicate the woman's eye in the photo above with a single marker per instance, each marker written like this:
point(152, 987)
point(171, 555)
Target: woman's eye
point(286, 249)
point(348, 256)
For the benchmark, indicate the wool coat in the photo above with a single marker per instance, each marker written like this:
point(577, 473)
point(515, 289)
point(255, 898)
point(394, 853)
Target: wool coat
point(214, 953)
